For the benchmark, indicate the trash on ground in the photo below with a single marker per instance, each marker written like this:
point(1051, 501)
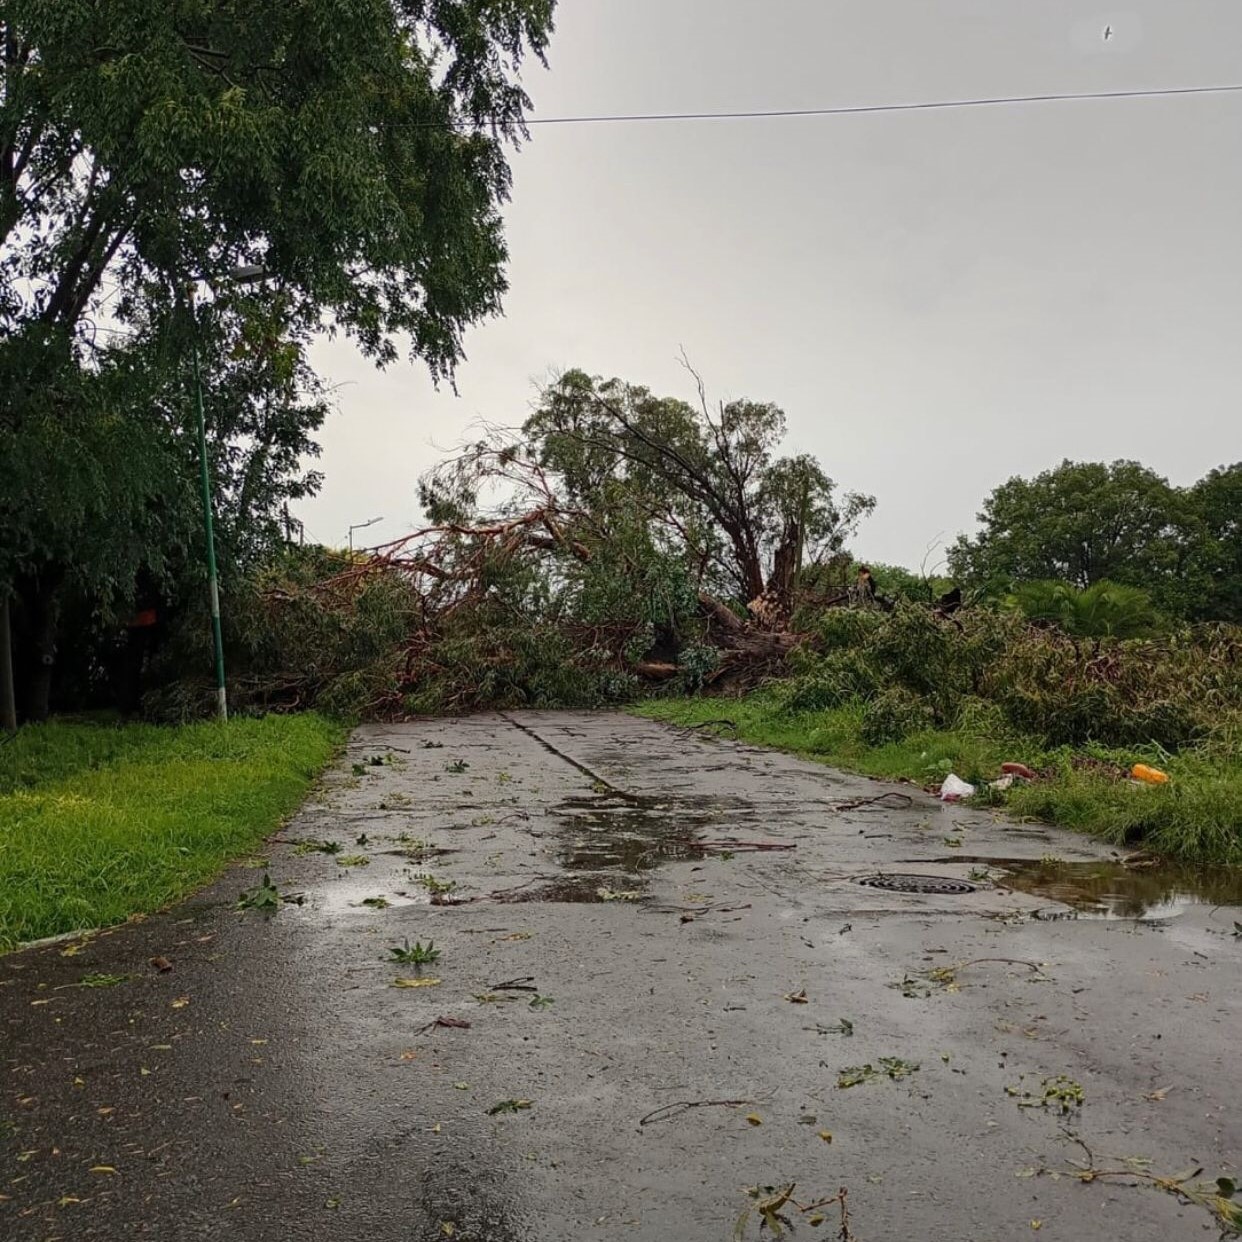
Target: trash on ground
point(1148, 775)
point(954, 789)
point(1018, 769)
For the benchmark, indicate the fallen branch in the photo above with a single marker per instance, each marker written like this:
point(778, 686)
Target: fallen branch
point(669, 1111)
point(891, 801)
point(451, 1023)
point(524, 983)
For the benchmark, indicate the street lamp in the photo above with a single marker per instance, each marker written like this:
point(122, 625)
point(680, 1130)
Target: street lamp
point(238, 276)
point(360, 526)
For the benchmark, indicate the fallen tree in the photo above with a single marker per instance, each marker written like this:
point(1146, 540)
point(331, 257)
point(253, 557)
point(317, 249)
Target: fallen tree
point(663, 538)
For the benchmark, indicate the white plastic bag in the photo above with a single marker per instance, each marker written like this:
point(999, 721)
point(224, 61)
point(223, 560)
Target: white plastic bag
point(955, 789)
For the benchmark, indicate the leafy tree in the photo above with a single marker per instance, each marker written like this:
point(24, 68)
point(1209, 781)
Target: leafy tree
point(354, 152)
point(1081, 523)
point(1217, 505)
point(709, 484)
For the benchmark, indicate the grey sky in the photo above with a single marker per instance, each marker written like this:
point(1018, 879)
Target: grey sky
point(938, 300)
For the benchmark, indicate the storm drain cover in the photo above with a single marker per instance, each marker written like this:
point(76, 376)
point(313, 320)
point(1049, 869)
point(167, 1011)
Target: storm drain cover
point(917, 884)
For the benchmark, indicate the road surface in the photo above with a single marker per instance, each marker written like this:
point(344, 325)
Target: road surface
point(661, 1015)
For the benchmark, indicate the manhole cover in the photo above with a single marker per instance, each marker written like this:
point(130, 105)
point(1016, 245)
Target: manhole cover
point(917, 884)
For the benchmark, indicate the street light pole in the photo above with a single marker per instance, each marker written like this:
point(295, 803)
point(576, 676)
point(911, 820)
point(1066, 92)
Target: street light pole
point(360, 526)
point(222, 705)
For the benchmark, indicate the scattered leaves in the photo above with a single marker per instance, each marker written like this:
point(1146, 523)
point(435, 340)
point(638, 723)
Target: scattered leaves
point(414, 983)
point(317, 847)
point(626, 894)
point(162, 964)
point(96, 980)
point(434, 886)
point(541, 1002)
point(798, 998)
point(375, 903)
point(508, 1106)
point(1060, 1092)
point(890, 1067)
point(353, 860)
point(754, 1119)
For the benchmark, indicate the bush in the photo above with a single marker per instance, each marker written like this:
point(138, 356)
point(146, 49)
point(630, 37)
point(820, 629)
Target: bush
point(840, 677)
point(895, 715)
point(1103, 610)
point(992, 672)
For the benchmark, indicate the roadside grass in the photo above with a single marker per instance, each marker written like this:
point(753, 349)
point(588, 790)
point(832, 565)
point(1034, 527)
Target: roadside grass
point(1195, 818)
point(102, 821)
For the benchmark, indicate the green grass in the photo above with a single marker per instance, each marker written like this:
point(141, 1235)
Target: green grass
point(98, 822)
point(1197, 817)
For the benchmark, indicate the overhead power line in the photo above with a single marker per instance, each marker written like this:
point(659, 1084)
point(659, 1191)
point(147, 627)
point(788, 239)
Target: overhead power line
point(854, 109)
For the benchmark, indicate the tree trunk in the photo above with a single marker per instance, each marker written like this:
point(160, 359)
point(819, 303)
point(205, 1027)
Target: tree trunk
point(785, 567)
point(40, 608)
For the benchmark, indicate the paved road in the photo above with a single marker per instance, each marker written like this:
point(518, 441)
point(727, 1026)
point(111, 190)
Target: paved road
point(274, 1085)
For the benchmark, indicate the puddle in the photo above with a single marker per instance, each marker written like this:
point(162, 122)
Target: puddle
point(1107, 890)
point(634, 834)
point(575, 889)
point(348, 899)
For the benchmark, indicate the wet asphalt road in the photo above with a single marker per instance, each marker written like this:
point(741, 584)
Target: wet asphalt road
point(275, 1085)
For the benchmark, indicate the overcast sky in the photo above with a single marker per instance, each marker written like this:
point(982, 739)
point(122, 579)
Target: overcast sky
point(938, 300)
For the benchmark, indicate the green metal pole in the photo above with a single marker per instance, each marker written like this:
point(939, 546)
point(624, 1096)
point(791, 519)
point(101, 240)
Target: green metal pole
point(222, 704)
point(8, 702)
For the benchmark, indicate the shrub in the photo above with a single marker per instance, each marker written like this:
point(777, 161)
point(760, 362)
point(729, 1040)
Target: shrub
point(895, 715)
point(992, 672)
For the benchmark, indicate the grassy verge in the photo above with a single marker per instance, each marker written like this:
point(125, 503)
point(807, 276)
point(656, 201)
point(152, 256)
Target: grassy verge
point(98, 822)
point(1197, 817)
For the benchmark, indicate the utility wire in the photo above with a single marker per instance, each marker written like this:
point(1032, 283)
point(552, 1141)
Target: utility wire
point(854, 109)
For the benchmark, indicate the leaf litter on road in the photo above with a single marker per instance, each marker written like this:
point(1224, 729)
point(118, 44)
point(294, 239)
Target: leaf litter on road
point(885, 1067)
point(509, 1106)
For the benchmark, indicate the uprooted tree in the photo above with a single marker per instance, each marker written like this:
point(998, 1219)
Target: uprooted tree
point(633, 535)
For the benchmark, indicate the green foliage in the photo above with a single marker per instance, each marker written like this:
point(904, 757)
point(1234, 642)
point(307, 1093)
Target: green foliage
point(1079, 523)
point(695, 664)
point(352, 153)
point(98, 822)
point(417, 954)
point(708, 486)
point(1086, 523)
point(987, 665)
point(518, 666)
point(841, 676)
point(1216, 561)
point(1102, 610)
point(893, 715)
point(898, 583)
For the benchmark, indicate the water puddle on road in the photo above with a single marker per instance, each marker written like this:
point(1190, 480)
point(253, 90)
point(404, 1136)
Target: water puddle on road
point(609, 842)
point(611, 831)
point(1109, 890)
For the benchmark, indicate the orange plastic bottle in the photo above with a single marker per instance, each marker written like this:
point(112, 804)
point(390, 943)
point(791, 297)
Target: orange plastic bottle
point(1153, 776)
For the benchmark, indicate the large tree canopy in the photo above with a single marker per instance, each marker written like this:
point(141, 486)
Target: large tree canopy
point(1082, 522)
point(351, 148)
point(1085, 523)
point(706, 487)
point(1217, 507)
point(351, 151)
